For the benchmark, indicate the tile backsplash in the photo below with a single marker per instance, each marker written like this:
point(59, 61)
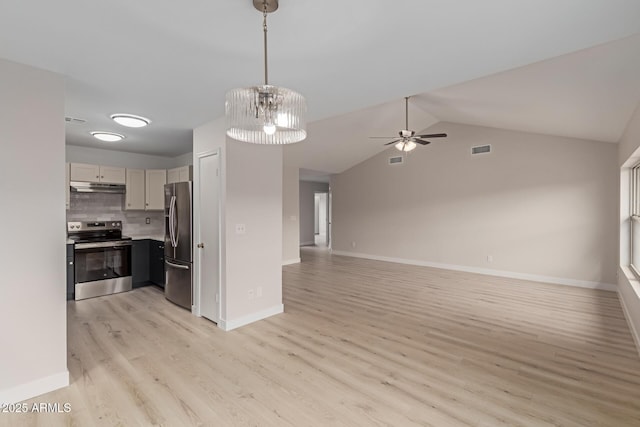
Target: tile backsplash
point(108, 207)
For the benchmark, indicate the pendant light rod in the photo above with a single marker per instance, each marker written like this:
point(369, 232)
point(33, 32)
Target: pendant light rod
point(265, 6)
point(264, 26)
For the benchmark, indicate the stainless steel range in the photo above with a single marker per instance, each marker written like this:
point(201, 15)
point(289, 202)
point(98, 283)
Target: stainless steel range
point(102, 258)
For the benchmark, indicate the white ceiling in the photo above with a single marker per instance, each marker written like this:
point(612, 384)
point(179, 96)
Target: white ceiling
point(174, 61)
point(590, 94)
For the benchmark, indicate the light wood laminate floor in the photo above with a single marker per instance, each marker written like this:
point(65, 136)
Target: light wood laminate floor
point(361, 343)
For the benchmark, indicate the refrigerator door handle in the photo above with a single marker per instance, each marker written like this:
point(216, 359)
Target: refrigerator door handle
point(183, 267)
point(170, 220)
point(176, 222)
point(172, 213)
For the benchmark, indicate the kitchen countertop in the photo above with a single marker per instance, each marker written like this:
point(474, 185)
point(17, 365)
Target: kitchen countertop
point(158, 237)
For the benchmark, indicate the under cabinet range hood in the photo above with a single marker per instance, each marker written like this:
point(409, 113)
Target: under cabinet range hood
point(96, 187)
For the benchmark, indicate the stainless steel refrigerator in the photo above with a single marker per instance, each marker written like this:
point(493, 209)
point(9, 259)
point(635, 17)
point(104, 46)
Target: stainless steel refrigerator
point(178, 253)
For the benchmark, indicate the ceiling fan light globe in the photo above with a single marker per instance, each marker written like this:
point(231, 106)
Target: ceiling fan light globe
point(405, 146)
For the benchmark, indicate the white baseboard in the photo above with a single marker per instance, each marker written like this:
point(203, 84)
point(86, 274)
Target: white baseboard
point(487, 271)
point(228, 325)
point(309, 243)
point(34, 388)
point(291, 261)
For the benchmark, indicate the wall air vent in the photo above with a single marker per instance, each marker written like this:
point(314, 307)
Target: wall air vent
point(74, 120)
point(481, 149)
point(397, 160)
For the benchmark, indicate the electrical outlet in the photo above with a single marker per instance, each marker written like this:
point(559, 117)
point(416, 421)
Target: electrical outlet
point(489, 258)
point(250, 294)
point(259, 291)
point(353, 244)
point(241, 229)
point(147, 220)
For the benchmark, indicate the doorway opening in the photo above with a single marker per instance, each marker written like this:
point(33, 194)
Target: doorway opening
point(321, 219)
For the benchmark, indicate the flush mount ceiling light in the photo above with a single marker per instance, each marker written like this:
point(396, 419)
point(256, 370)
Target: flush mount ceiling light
point(266, 114)
point(107, 136)
point(130, 120)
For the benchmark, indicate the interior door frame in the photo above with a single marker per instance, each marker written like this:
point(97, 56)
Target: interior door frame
point(197, 230)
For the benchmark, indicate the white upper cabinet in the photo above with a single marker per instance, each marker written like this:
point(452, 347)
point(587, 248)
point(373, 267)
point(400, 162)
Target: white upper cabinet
point(155, 181)
point(181, 174)
point(94, 173)
point(173, 175)
point(85, 172)
point(134, 197)
point(112, 175)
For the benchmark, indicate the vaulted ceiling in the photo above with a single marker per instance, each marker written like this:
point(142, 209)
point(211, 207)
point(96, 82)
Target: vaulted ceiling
point(551, 66)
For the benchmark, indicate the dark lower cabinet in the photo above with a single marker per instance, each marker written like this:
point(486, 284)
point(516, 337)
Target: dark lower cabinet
point(71, 273)
point(156, 262)
point(140, 263)
point(147, 263)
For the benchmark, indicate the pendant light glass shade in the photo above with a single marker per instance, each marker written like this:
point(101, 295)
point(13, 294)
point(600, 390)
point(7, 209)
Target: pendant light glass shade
point(266, 115)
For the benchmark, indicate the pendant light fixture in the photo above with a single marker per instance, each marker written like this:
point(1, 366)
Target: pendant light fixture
point(266, 114)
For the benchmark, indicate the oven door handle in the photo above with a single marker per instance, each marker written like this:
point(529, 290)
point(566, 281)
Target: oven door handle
point(102, 245)
point(182, 267)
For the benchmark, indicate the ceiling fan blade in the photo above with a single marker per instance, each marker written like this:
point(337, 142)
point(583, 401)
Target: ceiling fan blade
point(393, 142)
point(433, 135)
point(421, 141)
point(383, 137)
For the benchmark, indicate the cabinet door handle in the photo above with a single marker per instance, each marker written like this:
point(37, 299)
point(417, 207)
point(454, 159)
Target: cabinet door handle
point(201, 245)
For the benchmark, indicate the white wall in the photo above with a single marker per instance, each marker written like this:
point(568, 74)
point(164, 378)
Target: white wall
point(182, 160)
point(290, 212)
point(307, 209)
point(543, 207)
point(251, 177)
point(123, 159)
point(628, 285)
point(254, 198)
point(33, 354)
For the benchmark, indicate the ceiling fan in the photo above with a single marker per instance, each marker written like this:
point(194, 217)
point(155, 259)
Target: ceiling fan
point(408, 138)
